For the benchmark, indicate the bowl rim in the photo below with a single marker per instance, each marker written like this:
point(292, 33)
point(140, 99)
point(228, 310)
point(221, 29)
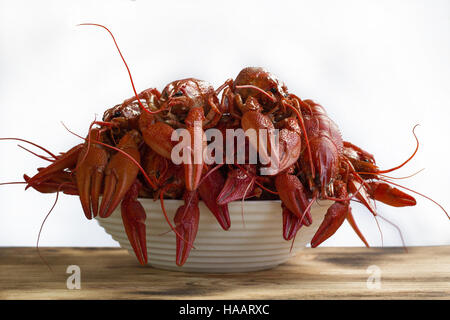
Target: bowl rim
point(319, 202)
point(181, 200)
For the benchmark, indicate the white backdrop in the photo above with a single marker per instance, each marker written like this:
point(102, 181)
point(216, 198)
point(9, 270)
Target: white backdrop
point(378, 67)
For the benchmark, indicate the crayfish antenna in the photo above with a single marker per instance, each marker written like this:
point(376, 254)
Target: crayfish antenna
point(14, 182)
point(33, 144)
point(42, 226)
point(407, 160)
point(125, 63)
point(398, 229)
point(249, 86)
point(35, 154)
point(242, 204)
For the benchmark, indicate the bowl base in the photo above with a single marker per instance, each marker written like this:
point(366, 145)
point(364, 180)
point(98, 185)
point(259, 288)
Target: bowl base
point(224, 269)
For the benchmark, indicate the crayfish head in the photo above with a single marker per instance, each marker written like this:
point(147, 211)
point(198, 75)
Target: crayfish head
point(275, 90)
point(325, 156)
point(362, 162)
point(124, 117)
point(181, 96)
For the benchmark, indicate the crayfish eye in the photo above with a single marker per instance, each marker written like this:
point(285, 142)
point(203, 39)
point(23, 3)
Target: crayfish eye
point(273, 90)
point(117, 113)
point(178, 94)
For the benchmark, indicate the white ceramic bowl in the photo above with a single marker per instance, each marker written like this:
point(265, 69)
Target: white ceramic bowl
point(256, 244)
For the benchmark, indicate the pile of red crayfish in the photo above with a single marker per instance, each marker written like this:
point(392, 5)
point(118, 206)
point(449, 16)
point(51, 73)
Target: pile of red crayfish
point(128, 155)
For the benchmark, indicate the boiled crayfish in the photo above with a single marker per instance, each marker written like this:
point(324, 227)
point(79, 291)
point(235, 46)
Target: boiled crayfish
point(301, 158)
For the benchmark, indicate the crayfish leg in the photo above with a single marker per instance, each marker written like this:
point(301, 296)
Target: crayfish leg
point(352, 222)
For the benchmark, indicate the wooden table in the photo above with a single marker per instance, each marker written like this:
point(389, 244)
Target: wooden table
point(322, 273)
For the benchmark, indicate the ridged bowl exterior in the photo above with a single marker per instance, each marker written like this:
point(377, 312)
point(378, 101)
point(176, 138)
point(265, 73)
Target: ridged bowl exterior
point(253, 242)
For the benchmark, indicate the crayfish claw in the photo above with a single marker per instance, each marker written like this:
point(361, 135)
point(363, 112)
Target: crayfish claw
point(192, 174)
point(293, 195)
point(157, 136)
point(186, 224)
point(96, 186)
point(120, 173)
point(255, 121)
point(209, 190)
point(334, 218)
point(91, 164)
point(289, 147)
point(193, 169)
point(240, 184)
point(291, 224)
point(84, 187)
point(133, 217)
point(394, 197)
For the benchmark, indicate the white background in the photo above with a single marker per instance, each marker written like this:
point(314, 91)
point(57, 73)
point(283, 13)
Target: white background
point(378, 67)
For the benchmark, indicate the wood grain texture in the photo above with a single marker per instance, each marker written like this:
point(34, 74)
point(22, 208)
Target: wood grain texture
point(321, 273)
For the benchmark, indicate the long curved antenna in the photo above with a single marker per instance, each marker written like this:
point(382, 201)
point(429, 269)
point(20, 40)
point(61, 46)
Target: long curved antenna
point(412, 156)
point(126, 65)
point(398, 229)
point(249, 86)
point(35, 154)
point(42, 226)
point(33, 144)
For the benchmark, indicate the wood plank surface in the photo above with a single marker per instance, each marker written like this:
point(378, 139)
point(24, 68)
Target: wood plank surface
point(321, 273)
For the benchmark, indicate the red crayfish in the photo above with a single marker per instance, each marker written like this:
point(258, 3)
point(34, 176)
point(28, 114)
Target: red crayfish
point(129, 154)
